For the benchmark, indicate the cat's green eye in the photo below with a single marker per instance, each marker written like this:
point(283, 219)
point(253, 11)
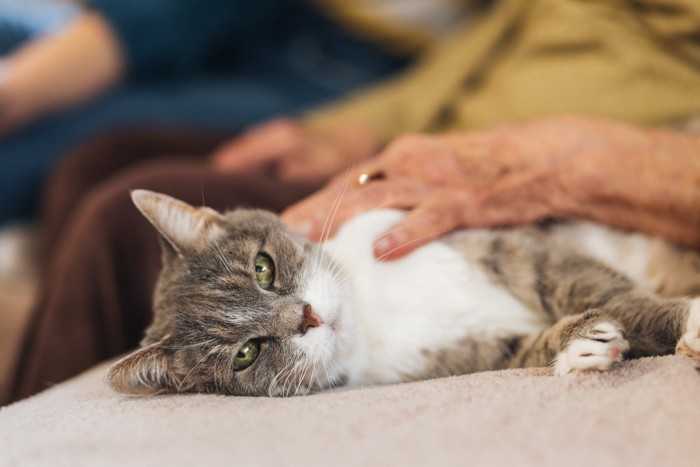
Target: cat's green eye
point(246, 355)
point(264, 271)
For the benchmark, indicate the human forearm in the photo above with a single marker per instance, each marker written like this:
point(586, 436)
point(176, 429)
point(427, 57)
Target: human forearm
point(652, 186)
point(59, 71)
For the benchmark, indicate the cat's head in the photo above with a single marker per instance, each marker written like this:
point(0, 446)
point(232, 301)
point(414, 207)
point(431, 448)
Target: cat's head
point(243, 306)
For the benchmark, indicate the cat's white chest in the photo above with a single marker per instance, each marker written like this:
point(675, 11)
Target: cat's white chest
point(425, 302)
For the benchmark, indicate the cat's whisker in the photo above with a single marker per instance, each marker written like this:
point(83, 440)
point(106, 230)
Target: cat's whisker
point(218, 252)
point(380, 207)
point(335, 269)
point(179, 386)
point(330, 217)
point(216, 371)
point(328, 375)
point(302, 374)
point(315, 374)
point(342, 278)
point(304, 383)
point(283, 386)
point(272, 386)
point(326, 383)
point(396, 229)
point(190, 346)
point(295, 381)
point(286, 380)
point(343, 247)
point(330, 379)
point(231, 361)
point(312, 378)
point(422, 237)
point(325, 233)
point(228, 364)
point(315, 268)
point(275, 379)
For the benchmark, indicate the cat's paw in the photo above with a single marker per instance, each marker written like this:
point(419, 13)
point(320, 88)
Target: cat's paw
point(689, 344)
point(597, 348)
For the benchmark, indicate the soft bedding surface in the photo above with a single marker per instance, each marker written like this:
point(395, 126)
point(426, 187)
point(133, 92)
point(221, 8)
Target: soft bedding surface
point(643, 413)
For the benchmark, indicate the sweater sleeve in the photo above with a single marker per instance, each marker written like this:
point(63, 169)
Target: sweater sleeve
point(175, 36)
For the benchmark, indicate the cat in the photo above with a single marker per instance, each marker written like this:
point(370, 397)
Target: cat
point(243, 306)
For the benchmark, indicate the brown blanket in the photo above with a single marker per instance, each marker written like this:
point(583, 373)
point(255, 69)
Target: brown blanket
point(642, 413)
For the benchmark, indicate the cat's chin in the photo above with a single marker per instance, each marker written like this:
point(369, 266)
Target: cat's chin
point(329, 347)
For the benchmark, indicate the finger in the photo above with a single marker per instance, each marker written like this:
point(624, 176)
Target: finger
point(423, 224)
point(269, 142)
point(319, 216)
point(314, 163)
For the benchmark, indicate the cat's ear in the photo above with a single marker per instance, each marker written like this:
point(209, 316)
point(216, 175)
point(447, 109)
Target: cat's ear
point(184, 227)
point(144, 372)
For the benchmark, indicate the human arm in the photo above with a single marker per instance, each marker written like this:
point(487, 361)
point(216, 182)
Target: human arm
point(485, 74)
point(295, 150)
point(56, 71)
point(117, 38)
point(565, 167)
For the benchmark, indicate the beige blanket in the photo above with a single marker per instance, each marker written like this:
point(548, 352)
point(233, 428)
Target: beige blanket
point(643, 413)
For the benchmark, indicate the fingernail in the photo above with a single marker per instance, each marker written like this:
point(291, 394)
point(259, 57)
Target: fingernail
point(383, 246)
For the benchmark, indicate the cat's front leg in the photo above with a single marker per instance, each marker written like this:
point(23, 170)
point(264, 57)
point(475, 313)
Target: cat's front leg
point(689, 344)
point(595, 344)
point(587, 341)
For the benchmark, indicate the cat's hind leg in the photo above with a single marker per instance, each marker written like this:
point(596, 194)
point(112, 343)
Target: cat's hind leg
point(587, 341)
point(689, 344)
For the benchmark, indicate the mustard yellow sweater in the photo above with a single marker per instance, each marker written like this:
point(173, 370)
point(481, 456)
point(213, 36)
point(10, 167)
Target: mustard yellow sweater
point(632, 60)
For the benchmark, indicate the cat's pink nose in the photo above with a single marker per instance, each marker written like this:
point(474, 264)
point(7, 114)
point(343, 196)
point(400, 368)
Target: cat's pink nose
point(310, 320)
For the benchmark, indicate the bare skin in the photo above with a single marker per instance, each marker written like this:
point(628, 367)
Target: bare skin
point(58, 71)
point(294, 151)
point(564, 167)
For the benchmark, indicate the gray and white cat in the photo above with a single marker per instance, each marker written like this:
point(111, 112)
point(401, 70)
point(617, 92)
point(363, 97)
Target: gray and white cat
point(243, 306)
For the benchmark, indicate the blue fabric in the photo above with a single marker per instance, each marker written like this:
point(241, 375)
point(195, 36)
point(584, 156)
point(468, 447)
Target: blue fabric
point(179, 36)
point(276, 83)
point(25, 19)
point(12, 34)
point(27, 157)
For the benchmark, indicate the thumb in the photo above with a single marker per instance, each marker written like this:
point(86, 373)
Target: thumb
point(265, 143)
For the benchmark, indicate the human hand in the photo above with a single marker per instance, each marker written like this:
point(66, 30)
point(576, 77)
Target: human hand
point(14, 111)
point(293, 151)
point(509, 175)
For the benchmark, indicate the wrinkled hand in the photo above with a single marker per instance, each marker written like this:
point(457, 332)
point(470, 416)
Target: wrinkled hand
point(508, 175)
point(293, 152)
